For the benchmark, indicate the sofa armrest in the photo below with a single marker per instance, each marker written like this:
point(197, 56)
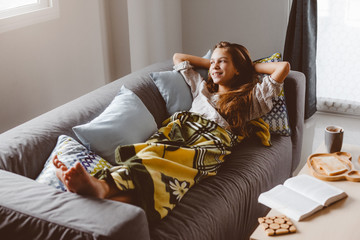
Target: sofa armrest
point(30, 210)
point(295, 100)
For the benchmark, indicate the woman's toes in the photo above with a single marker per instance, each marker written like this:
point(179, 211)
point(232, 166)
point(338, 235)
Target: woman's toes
point(79, 168)
point(55, 161)
point(58, 164)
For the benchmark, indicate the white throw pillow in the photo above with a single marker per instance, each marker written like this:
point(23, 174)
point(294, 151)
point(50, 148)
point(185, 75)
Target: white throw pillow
point(125, 121)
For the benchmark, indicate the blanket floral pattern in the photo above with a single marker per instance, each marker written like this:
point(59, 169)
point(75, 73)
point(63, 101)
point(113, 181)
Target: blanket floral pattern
point(186, 149)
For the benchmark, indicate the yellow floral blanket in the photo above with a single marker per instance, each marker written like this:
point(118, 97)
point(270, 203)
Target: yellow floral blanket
point(186, 149)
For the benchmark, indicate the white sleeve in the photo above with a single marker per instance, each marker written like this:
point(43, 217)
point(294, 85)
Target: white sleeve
point(263, 94)
point(182, 66)
point(192, 77)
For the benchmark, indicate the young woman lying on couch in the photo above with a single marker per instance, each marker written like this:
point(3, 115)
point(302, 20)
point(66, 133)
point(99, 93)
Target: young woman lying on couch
point(190, 145)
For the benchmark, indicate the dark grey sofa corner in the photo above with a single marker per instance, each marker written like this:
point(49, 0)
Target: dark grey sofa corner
point(221, 207)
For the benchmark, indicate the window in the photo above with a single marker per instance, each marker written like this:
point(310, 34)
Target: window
point(338, 54)
point(20, 13)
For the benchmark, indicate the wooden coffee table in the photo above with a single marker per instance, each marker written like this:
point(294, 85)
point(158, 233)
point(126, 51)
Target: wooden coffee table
point(340, 220)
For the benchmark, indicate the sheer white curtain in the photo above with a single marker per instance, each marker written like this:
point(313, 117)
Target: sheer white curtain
point(338, 56)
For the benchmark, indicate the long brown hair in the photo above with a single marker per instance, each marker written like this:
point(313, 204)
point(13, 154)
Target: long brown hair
point(235, 104)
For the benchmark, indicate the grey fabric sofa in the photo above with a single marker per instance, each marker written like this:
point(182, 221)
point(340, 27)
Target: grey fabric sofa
point(221, 207)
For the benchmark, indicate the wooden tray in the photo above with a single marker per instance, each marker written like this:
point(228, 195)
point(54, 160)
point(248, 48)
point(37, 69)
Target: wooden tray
point(333, 166)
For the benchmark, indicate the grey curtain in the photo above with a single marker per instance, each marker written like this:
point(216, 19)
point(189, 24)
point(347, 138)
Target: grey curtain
point(300, 47)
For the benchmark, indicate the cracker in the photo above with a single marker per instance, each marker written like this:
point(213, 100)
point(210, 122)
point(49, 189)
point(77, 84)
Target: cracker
point(277, 225)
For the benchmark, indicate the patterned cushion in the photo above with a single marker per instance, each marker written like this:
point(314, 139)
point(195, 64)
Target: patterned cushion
point(277, 118)
point(69, 151)
point(276, 57)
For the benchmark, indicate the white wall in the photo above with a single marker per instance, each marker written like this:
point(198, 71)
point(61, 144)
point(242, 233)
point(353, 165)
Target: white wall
point(96, 41)
point(118, 37)
point(260, 25)
point(158, 28)
point(154, 31)
point(47, 64)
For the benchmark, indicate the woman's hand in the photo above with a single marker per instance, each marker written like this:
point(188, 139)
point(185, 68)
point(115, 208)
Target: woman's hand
point(277, 70)
point(194, 60)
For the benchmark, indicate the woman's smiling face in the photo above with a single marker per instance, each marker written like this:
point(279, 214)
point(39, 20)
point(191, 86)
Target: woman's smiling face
point(222, 69)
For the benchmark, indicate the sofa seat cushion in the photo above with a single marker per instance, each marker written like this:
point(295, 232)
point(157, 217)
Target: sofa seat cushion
point(231, 194)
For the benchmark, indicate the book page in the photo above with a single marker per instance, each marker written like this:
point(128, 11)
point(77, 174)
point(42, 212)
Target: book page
point(288, 202)
point(313, 188)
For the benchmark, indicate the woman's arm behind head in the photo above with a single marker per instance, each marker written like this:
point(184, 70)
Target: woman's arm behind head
point(194, 60)
point(277, 70)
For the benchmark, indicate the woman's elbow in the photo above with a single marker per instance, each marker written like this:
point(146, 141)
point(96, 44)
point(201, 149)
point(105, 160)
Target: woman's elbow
point(177, 58)
point(286, 67)
point(282, 70)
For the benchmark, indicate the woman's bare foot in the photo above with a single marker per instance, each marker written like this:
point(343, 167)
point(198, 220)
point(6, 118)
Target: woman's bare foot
point(77, 180)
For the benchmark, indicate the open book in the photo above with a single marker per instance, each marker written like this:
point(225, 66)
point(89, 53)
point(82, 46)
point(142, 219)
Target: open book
point(301, 196)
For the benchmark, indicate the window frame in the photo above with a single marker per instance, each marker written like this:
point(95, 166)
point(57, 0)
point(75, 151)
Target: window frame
point(18, 17)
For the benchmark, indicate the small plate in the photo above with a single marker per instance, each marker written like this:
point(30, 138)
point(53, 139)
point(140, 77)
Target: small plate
point(333, 166)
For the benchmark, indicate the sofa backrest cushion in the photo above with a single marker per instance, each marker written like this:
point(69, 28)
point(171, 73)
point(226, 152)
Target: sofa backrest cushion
point(25, 148)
